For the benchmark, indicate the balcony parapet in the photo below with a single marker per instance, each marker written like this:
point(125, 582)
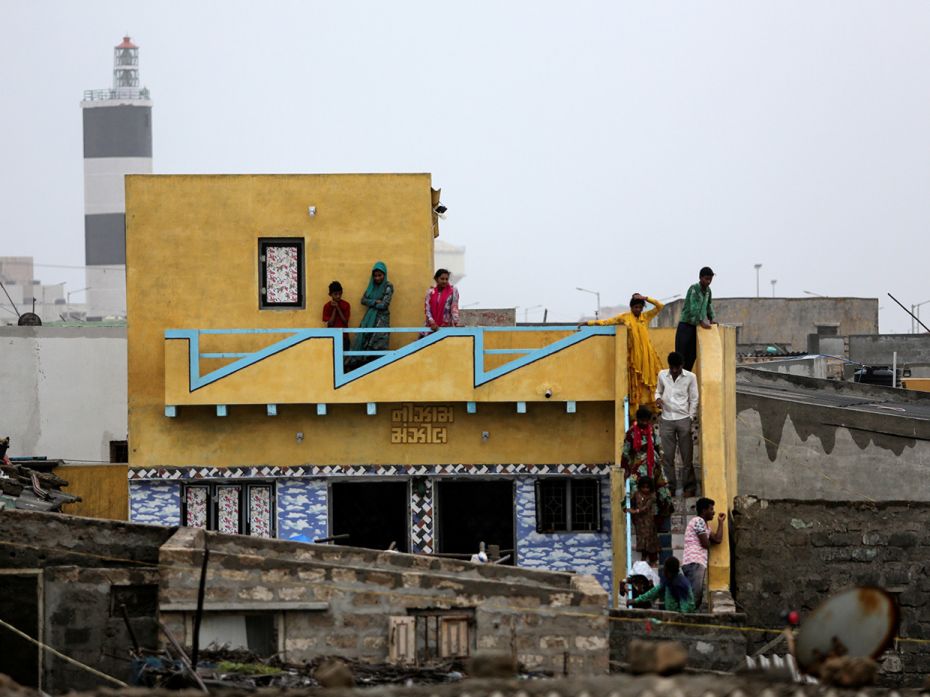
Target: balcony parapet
point(310, 365)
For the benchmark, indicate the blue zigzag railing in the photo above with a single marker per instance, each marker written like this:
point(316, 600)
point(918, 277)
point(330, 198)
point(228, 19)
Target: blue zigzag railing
point(342, 376)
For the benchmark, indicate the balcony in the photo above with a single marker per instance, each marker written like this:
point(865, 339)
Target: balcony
point(461, 364)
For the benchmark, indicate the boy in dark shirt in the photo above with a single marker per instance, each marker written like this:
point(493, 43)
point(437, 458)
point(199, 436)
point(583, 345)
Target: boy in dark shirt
point(336, 312)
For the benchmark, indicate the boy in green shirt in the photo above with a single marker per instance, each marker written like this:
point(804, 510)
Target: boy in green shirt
point(697, 310)
point(677, 591)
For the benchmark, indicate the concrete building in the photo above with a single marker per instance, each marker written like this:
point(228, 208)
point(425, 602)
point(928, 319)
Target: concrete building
point(786, 322)
point(245, 418)
point(25, 293)
point(450, 256)
point(64, 392)
point(117, 142)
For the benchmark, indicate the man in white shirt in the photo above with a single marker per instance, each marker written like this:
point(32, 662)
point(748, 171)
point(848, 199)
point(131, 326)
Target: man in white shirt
point(677, 397)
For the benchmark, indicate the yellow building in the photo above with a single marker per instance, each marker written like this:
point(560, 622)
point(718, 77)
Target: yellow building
point(247, 415)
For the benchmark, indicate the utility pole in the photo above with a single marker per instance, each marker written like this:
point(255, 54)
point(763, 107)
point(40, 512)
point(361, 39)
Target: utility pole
point(757, 267)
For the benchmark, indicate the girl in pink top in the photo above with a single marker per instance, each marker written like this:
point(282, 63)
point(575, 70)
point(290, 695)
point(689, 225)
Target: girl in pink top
point(442, 303)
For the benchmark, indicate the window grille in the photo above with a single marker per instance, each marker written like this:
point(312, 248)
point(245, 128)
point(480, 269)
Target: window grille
point(568, 505)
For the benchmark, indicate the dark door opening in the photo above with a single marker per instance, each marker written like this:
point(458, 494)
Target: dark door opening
point(472, 512)
point(373, 514)
point(19, 606)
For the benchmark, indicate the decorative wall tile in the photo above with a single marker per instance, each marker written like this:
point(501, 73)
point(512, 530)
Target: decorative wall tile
point(303, 509)
point(157, 503)
point(268, 471)
point(421, 522)
point(577, 552)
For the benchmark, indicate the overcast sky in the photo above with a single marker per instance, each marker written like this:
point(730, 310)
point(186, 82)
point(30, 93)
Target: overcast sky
point(612, 145)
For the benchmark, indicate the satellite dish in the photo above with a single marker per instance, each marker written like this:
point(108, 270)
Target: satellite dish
point(29, 319)
point(858, 622)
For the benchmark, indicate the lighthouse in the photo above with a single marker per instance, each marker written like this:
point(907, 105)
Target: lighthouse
point(117, 142)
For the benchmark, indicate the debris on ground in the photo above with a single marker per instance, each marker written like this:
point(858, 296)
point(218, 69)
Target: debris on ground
point(244, 669)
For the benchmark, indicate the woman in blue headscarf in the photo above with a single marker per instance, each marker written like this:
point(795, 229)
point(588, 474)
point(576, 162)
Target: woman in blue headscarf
point(377, 299)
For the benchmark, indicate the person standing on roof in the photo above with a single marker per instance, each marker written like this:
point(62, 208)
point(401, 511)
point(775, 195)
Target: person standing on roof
point(697, 310)
point(442, 303)
point(377, 299)
point(642, 359)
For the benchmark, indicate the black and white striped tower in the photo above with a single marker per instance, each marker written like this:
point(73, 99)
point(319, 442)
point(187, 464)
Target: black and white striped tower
point(117, 142)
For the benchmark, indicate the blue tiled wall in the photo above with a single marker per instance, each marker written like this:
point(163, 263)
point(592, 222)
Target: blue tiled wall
point(578, 552)
point(303, 509)
point(155, 502)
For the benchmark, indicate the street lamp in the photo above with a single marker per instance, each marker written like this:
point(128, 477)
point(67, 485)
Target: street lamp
point(68, 299)
point(915, 310)
point(774, 281)
point(757, 267)
point(527, 310)
point(597, 312)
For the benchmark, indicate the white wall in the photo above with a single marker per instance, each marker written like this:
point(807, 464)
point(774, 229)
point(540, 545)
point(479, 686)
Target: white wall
point(63, 390)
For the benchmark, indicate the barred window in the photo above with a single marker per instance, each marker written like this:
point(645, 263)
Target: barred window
point(568, 505)
point(232, 508)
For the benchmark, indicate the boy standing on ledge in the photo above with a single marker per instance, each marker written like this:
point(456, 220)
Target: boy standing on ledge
point(696, 310)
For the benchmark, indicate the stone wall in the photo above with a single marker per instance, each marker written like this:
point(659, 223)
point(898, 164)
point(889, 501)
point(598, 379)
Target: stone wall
point(719, 647)
point(31, 540)
point(831, 546)
point(84, 619)
point(88, 568)
point(339, 600)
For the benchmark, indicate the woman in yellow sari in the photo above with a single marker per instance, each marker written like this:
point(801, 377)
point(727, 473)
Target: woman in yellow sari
point(641, 355)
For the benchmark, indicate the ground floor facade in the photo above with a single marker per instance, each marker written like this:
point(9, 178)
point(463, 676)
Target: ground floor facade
point(553, 517)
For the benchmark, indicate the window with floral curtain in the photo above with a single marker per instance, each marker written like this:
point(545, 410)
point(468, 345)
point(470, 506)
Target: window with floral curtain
point(281, 273)
point(230, 507)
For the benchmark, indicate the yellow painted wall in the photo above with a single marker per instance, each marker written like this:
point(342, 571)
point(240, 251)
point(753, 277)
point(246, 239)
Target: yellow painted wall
point(717, 413)
point(192, 259)
point(919, 384)
point(103, 490)
point(546, 434)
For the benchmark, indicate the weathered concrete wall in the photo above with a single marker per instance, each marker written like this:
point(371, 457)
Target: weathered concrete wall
point(83, 618)
point(64, 390)
point(786, 321)
point(878, 349)
point(549, 619)
point(789, 446)
point(719, 647)
point(832, 546)
point(30, 540)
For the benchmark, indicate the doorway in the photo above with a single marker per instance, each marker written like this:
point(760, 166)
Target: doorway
point(372, 514)
point(471, 512)
point(19, 606)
